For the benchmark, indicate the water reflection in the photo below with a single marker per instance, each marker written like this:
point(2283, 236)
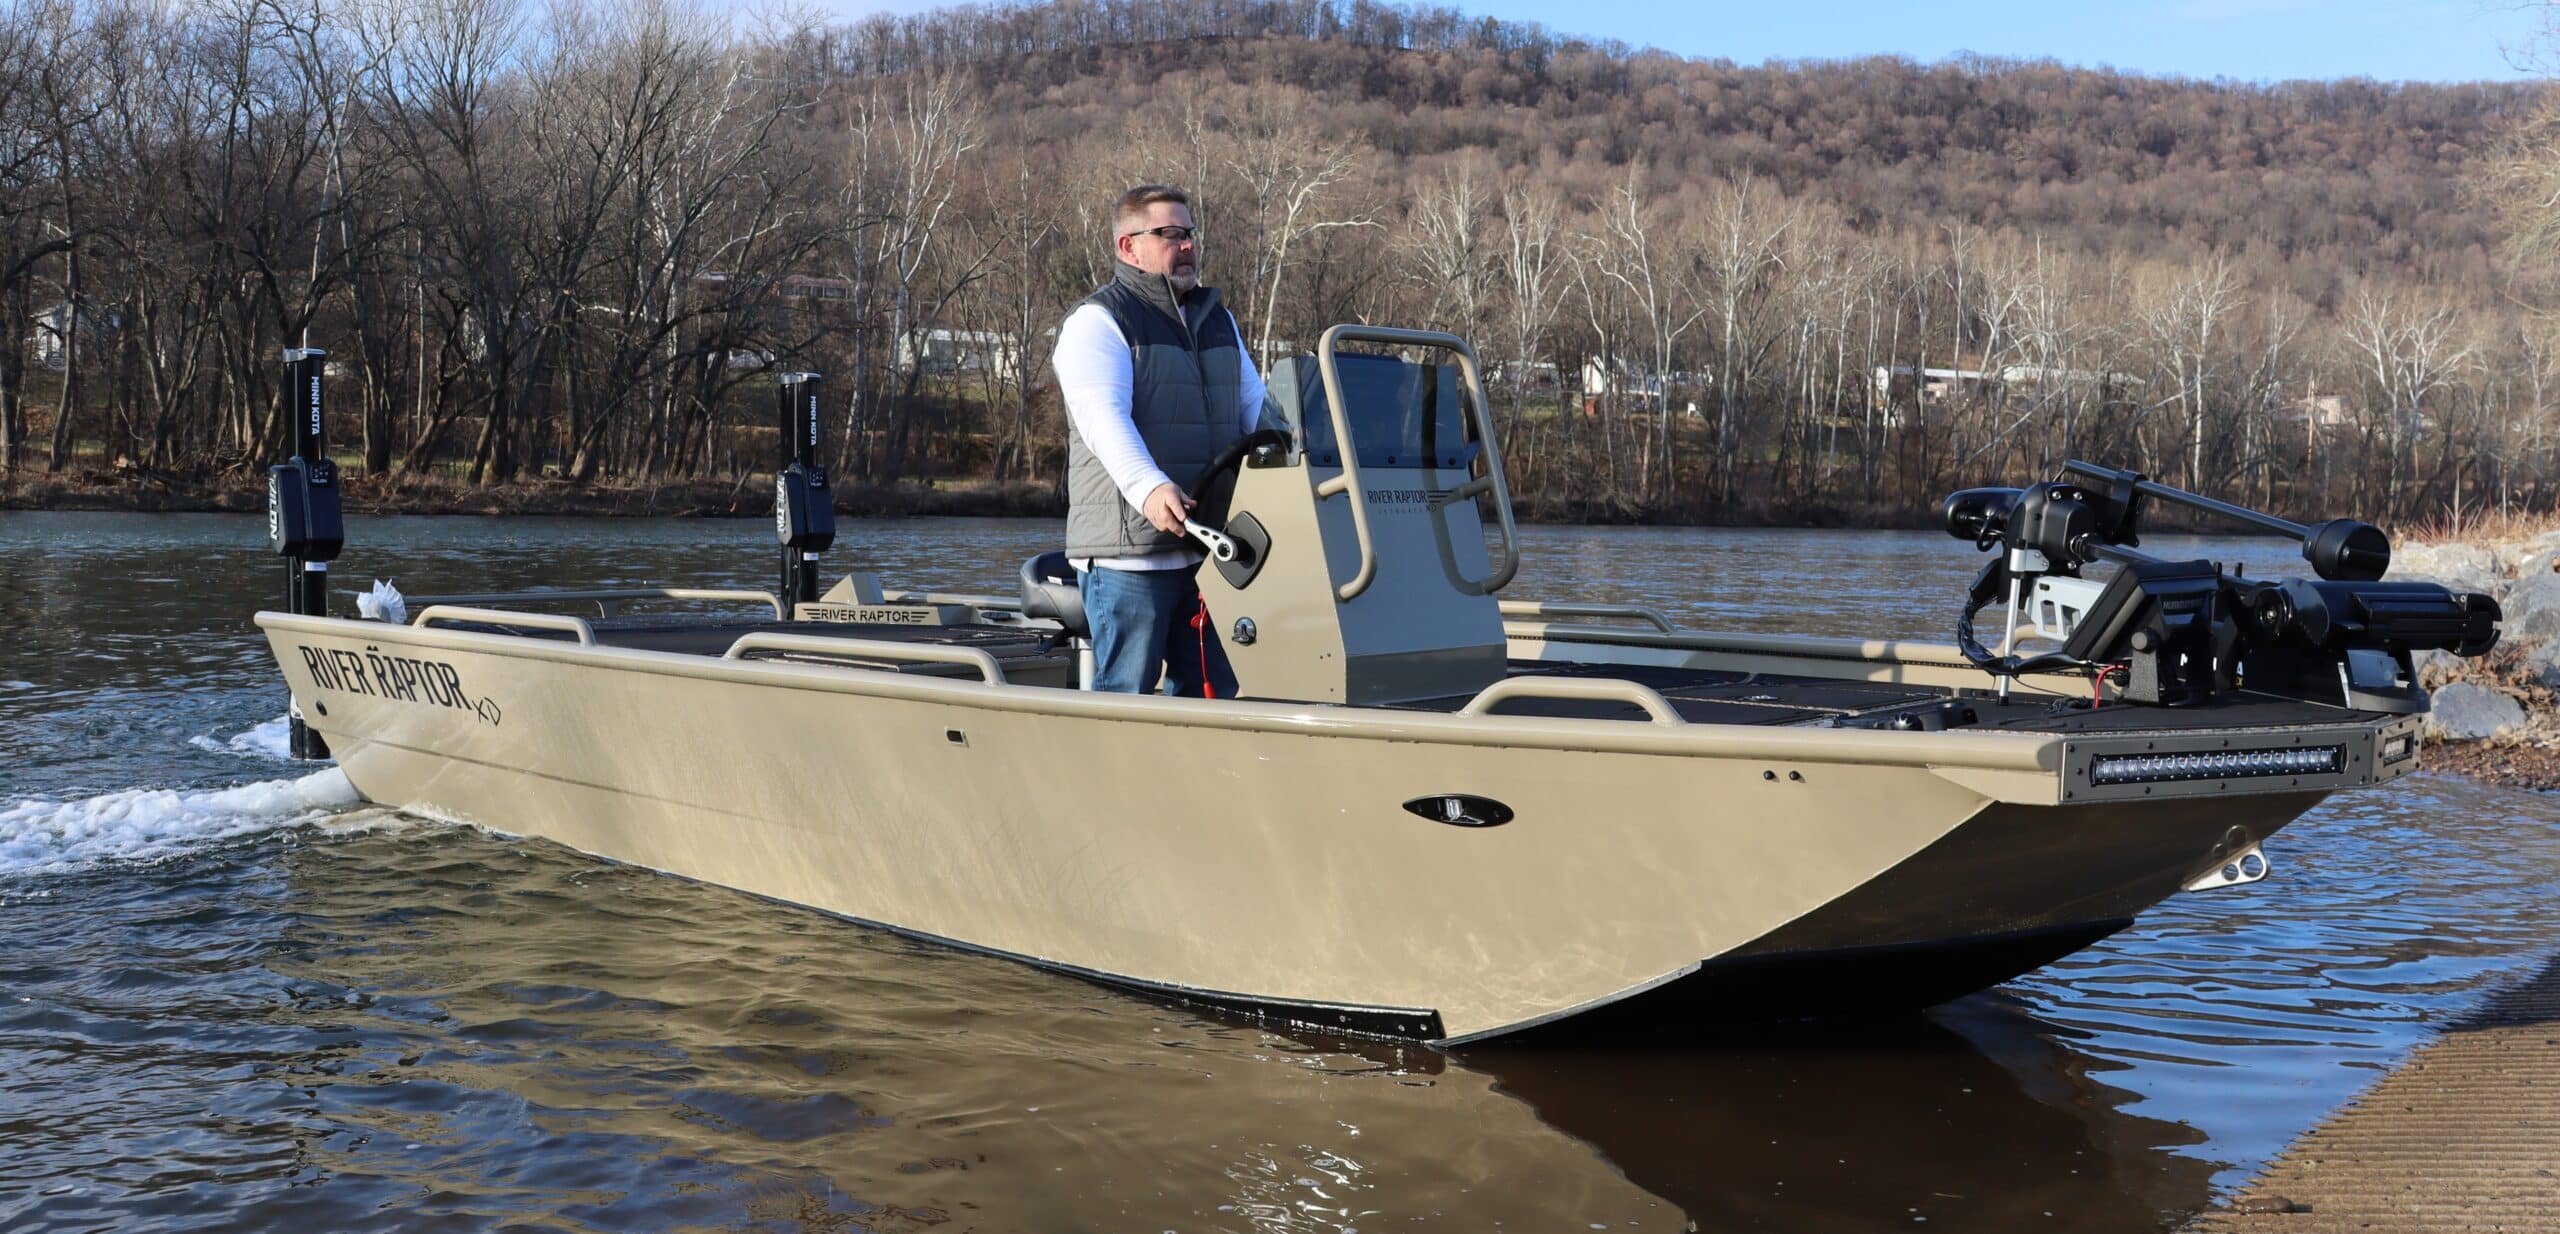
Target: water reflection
point(525, 1026)
point(530, 1028)
point(1976, 1117)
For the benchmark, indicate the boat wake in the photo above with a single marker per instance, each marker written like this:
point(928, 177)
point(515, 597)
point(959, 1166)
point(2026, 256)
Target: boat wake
point(271, 740)
point(143, 824)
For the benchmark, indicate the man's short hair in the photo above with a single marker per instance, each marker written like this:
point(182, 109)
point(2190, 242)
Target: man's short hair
point(1133, 204)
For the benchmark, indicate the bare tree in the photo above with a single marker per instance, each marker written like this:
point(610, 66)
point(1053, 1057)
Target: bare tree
point(1020, 231)
point(1444, 239)
point(2183, 313)
point(61, 101)
point(1745, 224)
point(1533, 263)
point(931, 124)
point(703, 233)
point(1637, 247)
point(445, 104)
point(2519, 179)
point(2413, 347)
point(1290, 179)
point(32, 38)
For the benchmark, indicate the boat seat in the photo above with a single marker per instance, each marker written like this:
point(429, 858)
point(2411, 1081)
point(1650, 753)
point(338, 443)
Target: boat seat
point(1049, 589)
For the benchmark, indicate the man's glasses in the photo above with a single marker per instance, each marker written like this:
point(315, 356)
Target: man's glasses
point(1170, 235)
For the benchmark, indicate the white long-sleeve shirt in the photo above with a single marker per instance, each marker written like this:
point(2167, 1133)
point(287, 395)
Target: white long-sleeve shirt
point(1096, 375)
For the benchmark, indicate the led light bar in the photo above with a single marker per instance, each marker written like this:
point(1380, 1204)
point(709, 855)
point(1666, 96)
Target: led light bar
point(2216, 765)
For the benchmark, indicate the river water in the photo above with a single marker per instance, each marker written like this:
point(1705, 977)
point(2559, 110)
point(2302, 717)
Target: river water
point(234, 998)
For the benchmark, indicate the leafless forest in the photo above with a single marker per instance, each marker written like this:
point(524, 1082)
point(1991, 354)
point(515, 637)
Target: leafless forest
point(571, 243)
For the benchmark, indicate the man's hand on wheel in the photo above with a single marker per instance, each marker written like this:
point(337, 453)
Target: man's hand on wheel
point(1167, 506)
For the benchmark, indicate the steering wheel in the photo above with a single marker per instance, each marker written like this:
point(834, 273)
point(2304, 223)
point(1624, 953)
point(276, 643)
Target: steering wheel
point(1214, 487)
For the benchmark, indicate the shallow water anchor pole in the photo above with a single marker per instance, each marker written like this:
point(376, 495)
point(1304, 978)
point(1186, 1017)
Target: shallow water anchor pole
point(804, 508)
point(2024, 563)
point(303, 524)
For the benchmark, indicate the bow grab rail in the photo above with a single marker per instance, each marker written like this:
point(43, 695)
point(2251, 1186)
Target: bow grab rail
point(578, 626)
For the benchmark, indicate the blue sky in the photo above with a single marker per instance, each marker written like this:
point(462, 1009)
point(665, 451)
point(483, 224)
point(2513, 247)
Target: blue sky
point(2252, 40)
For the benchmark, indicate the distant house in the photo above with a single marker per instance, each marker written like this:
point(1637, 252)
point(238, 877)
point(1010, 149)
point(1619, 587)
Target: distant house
point(50, 329)
point(1535, 375)
point(2321, 410)
point(1894, 383)
point(1620, 378)
point(811, 288)
point(816, 287)
point(951, 352)
point(2035, 376)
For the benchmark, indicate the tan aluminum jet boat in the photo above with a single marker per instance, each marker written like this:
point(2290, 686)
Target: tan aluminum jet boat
point(1434, 814)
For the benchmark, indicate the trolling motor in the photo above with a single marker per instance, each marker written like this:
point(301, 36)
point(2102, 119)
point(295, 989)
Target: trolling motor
point(804, 508)
point(303, 523)
point(2183, 633)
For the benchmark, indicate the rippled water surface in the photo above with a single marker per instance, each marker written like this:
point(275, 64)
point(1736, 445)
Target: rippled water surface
point(234, 998)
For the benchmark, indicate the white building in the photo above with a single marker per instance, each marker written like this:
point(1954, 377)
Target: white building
point(52, 327)
point(963, 351)
point(1620, 378)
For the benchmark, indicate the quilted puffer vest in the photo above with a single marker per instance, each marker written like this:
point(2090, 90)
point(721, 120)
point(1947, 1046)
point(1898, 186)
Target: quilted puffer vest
point(1187, 376)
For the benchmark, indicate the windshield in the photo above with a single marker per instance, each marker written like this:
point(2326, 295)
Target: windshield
point(1402, 414)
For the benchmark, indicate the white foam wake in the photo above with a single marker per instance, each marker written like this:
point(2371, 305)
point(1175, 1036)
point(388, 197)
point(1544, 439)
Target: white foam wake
point(271, 740)
point(144, 823)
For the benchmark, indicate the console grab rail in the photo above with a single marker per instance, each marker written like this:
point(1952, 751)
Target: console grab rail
point(877, 649)
point(578, 626)
point(1492, 481)
point(1562, 608)
point(1603, 689)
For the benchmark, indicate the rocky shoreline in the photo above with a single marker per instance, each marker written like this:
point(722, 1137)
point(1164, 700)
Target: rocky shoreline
point(2496, 718)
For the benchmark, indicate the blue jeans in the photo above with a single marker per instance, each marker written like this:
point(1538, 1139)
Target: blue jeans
point(1141, 621)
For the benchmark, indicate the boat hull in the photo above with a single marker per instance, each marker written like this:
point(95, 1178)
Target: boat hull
point(1259, 855)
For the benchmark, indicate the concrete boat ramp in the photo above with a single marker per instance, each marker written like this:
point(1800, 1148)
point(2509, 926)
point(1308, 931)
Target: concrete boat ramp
point(2464, 1137)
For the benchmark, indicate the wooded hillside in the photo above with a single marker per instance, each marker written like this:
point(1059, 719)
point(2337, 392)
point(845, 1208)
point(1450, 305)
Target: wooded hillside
point(576, 241)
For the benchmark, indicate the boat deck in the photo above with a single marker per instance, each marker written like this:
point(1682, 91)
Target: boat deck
point(1015, 648)
point(1700, 696)
point(709, 638)
point(1706, 696)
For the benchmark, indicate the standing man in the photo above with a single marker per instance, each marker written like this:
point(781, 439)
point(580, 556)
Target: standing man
point(1156, 382)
